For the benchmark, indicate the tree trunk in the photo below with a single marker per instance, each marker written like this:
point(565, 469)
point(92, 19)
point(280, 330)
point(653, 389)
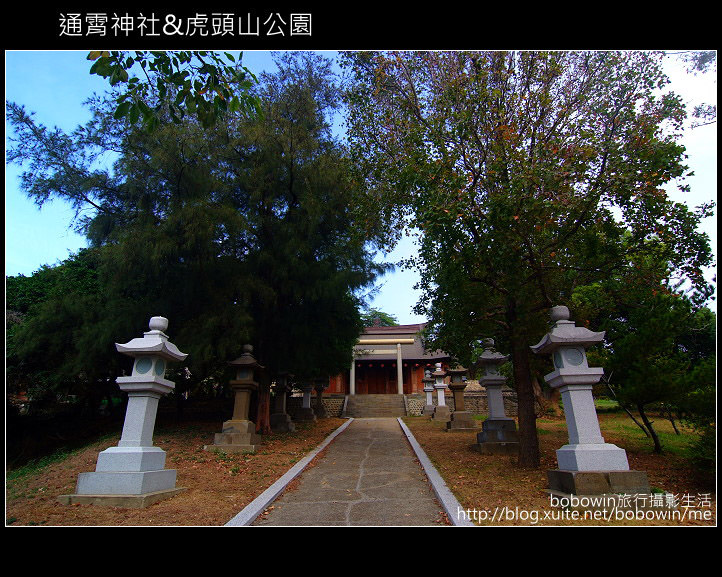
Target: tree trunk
point(667, 413)
point(636, 422)
point(650, 428)
point(263, 418)
point(549, 400)
point(180, 403)
point(625, 409)
point(528, 440)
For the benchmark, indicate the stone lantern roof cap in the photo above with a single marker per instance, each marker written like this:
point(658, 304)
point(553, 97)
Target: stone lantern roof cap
point(246, 359)
point(153, 342)
point(458, 370)
point(490, 356)
point(565, 332)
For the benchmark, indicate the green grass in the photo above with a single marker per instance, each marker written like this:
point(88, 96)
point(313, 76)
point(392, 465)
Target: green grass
point(671, 442)
point(15, 487)
point(37, 465)
point(606, 406)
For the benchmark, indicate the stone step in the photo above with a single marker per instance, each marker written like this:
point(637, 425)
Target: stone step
point(375, 405)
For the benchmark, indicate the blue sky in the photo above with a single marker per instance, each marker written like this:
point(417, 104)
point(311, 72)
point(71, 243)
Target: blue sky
point(54, 84)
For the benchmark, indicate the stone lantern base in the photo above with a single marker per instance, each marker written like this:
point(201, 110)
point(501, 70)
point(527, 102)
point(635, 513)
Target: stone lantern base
point(595, 469)
point(461, 421)
point(236, 436)
point(597, 482)
point(428, 410)
point(125, 501)
point(592, 457)
point(282, 423)
point(131, 477)
point(441, 413)
point(498, 437)
point(304, 414)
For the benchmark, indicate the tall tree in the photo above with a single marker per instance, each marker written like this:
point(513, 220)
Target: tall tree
point(527, 173)
point(656, 335)
point(55, 343)
point(238, 232)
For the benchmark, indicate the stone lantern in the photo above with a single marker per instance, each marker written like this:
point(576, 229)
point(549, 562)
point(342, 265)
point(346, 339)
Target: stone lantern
point(133, 474)
point(428, 381)
point(461, 419)
point(320, 385)
point(305, 413)
point(587, 452)
point(238, 434)
point(280, 420)
point(498, 433)
point(441, 412)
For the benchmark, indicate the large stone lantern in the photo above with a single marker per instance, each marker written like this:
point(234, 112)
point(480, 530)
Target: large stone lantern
point(280, 420)
point(133, 474)
point(320, 384)
point(587, 451)
point(498, 433)
point(305, 412)
point(441, 412)
point(428, 381)
point(238, 434)
point(460, 419)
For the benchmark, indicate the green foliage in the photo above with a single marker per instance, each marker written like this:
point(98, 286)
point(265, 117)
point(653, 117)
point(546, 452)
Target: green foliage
point(699, 409)
point(241, 232)
point(660, 344)
point(373, 317)
point(77, 274)
point(46, 351)
point(510, 163)
point(527, 174)
point(204, 84)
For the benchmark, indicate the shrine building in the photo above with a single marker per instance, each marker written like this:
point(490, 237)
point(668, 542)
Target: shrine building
point(388, 360)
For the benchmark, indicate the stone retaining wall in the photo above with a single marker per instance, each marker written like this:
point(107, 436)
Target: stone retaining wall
point(474, 402)
point(332, 403)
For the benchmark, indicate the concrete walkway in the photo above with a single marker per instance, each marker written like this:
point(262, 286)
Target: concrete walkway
point(369, 476)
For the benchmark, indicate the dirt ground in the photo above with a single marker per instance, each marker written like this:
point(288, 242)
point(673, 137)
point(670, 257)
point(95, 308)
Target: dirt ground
point(219, 486)
point(501, 493)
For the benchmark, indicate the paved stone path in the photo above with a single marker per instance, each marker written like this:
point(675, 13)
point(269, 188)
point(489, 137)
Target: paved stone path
point(368, 475)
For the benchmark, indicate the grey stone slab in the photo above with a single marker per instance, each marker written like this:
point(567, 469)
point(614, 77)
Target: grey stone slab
point(130, 459)
point(257, 506)
point(305, 514)
point(384, 512)
point(125, 482)
point(598, 482)
point(496, 448)
point(369, 475)
point(125, 501)
point(592, 457)
point(629, 482)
